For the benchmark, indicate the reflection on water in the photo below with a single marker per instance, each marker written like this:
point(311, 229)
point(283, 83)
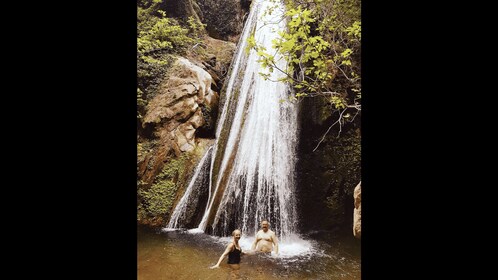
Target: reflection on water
point(181, 255)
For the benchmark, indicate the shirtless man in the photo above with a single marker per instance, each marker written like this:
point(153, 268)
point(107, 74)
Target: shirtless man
point(265, 239)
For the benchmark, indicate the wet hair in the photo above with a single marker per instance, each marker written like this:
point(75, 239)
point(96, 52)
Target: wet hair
point(233, 232)
point(265, 221)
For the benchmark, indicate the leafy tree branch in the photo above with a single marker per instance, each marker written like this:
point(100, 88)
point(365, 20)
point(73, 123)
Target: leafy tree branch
point(322, 47)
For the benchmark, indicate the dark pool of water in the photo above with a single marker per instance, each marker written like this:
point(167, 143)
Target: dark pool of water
point(181, 255)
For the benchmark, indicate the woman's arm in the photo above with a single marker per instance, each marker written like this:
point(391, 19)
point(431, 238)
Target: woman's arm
point(227, 250)
point(249, 252)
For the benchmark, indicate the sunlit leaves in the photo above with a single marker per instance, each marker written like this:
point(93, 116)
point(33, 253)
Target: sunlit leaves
point(322, 47)
point(158, 37)
point(346, 53)
point(338, 102)
point(251, 43)
point(354, 30)
point(165, 33)
point(346, 62)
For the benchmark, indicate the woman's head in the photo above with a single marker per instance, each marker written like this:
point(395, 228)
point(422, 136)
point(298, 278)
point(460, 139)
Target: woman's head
point(237, 234)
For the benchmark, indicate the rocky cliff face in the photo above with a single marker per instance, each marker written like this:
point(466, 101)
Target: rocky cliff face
point(178, 124)
point(224, 19)
point(182, 9)
point(183, 104)
point(326, 177)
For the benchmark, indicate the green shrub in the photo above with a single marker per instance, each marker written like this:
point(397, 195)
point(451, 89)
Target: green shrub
point(158, 199)
point(158, 39)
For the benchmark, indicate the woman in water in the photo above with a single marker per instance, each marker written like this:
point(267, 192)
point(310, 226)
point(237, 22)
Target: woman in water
point(233, 251)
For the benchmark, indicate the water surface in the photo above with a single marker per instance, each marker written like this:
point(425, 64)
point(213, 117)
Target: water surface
point(182, 255)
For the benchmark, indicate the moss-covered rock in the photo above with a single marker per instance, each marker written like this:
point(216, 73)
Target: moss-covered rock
point(156, 201)
point(177, 98)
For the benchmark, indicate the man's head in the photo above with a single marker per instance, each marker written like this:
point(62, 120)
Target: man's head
point(265, 225)
point(236, 234)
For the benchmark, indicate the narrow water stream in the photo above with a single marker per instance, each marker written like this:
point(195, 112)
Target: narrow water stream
point(183, 255)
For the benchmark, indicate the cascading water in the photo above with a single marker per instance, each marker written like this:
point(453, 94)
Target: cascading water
point(186, 209)
point(253, 160)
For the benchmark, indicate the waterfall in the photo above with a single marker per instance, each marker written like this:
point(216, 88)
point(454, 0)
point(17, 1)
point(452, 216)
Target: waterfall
point(186, 209)
point(252, 167)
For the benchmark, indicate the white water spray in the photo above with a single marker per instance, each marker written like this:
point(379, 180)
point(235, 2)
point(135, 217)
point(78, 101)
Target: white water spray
point(252, 169)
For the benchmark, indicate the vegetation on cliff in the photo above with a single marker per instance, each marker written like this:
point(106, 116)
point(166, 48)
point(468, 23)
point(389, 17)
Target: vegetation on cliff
point(156, 200)
point(322, 45)
point(158, 38)
point(167, 30)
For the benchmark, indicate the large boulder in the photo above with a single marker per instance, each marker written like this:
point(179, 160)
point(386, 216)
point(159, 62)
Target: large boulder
point(176, 113)
point(357, 211)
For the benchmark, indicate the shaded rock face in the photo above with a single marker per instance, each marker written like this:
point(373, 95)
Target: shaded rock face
point(175, 114)
point(224, 19)
point(181, 8)
point(177, 120)
point(357, 212)
point(178, 117)
point(326, 177)
point(216, 59)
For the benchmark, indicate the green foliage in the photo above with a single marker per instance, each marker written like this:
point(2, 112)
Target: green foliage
point(158, 39)
point(158, 199)
point(322, 45)
point(196, 29)
point(162, 33)
point(150, 73)
point(251, 43)
point(337, 102)
point(157, 32)
point(140, 102)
